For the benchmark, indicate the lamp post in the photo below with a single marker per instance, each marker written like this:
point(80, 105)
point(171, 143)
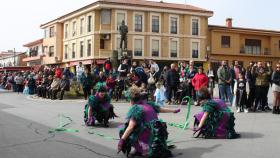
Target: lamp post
point(14, 57)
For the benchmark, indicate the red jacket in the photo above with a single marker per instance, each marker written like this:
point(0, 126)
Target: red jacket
point(200, 80)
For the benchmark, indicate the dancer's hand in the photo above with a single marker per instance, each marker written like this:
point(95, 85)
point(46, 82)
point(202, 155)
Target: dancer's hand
point(90, 121)
point(120, 145)
point(177, 111)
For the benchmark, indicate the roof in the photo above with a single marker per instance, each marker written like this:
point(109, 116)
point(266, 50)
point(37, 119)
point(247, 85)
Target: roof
point(219, 27)
point(139, 3)
point(12, 55)
point(33, 43)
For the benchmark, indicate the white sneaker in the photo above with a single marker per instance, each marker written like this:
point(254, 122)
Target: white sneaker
point(195, 103)
point(246, 110)
point(238, 110)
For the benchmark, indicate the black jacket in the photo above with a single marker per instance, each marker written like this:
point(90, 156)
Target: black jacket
point(172, 78)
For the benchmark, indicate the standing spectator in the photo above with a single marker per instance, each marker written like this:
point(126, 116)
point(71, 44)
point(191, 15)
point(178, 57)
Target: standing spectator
point(133, 66)
point(152, 81)
point(19, 82)
point(58, 72)
point(31, 84)
point(266, 68)
point(211, 76)
point(240, 93)
point(252, 87)
point(94, 69)
point(160, 94)
point(110, 85)
point(64, 86)
point(262, 82)
point(48, 87)
point(233, 78)
point(172, 81)
point(68, 74)
point(189, 76)
point(154, 65)
point(224, 77)
point(276, 89)
point(87, 83)
point(123, 69)
point(79, 71)
point(163, 75)
point(199, 80)
point(107, 67)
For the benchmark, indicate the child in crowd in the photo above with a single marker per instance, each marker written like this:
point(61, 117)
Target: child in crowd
point(240, 93)
point(160, 94)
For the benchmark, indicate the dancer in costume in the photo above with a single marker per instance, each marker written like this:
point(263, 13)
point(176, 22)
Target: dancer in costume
point(99, 108)
point(143, 130)
point(216, 120)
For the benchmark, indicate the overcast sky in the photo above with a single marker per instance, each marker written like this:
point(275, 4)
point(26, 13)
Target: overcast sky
point(20, 19)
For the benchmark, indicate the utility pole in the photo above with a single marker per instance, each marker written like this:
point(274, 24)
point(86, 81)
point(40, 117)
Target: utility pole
point(14, 57)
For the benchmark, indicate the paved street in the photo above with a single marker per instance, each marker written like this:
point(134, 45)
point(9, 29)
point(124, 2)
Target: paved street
point(24, 125)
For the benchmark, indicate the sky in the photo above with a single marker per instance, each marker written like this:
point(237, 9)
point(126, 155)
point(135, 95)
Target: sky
point(21, 19)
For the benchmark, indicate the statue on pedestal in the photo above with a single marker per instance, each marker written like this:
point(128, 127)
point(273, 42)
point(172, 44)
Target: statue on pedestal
point(123, 29)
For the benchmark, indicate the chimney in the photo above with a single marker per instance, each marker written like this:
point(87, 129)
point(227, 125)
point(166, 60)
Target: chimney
point(229, 22)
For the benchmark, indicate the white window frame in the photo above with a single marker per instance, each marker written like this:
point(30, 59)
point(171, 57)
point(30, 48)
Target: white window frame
point(92, 47)
point(151, 22)
point(66, 51)
point(74, 50)
point(178, 47)
point(199, 51)
point(178, 24)
point(151, 47)
point(101, 16)
point(116, 16)
point(143, 45)
point(143, 20)
point(66, 30)
point(92, 22)
point(81, 40)
point(80, 25)
point(74, 32)
point(196, 18)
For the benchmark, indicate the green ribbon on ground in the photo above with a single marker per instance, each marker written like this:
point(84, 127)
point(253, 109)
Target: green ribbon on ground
point(63, 124)
point(92, 131)
point(186, 124)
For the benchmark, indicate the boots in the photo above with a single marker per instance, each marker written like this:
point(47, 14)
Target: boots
point(274, 110)
point(277, 110)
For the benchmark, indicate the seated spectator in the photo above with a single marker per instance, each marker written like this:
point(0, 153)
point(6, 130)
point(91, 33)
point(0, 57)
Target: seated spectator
point(54, 88)
point(64, 86)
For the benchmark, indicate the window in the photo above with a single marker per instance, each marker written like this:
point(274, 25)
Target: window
point(155, 48)
point(81, 49)
point(51, 51)
point(73, 50)
point(89, 23)
point(195, 27)
point(88, 47)
point(173, 50)
point(195, 49)
point(51, 31)
point(66, 31)
point(155, 24)
point(120, 18)
point(225, 41)
point(82, 26)
point(102, 44)
point(46, 33)
point(65, 51)
point(106, 16)
point(253, 46)
point(138, 47)
point(74, 29)
point(174, 24)
point(138, 23)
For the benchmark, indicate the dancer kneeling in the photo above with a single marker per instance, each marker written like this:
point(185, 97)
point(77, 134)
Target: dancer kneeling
point(99, 108)
point(216, 120)
point(143, 130)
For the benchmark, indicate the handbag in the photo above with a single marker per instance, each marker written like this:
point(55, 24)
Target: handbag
point(151, 79)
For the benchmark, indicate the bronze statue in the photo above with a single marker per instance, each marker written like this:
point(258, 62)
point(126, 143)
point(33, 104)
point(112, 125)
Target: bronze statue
point(123, 29)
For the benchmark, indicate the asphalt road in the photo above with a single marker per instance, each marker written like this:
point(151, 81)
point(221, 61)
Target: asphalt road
point(25, 122)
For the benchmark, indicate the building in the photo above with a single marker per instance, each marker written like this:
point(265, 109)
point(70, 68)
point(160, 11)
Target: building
point(157, 30)
point(35, 53)
point(242, 44)
point(13, 60)
point(8, 53)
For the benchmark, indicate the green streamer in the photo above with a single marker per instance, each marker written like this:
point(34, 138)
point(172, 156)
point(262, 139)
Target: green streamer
point(63, 124)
